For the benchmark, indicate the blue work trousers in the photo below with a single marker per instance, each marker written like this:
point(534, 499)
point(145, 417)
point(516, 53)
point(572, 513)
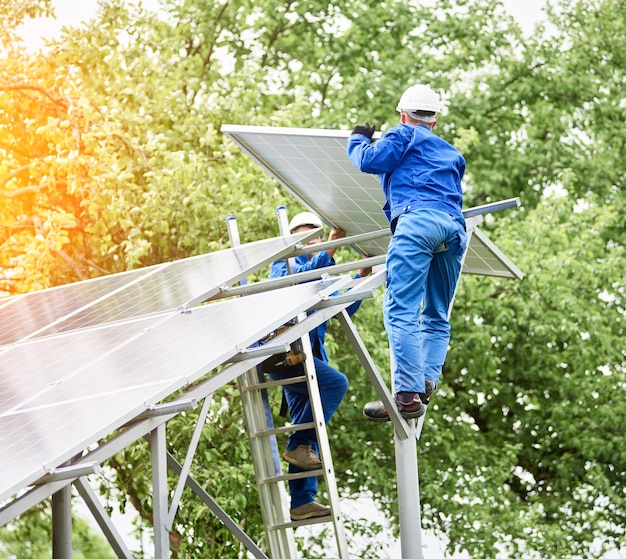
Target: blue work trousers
point(420, 288)
point(333, 386)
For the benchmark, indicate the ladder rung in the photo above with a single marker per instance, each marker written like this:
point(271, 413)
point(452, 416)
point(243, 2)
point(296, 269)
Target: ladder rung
point(284, 429)
point(296, 523)
point(299, 475)
point(273, 383)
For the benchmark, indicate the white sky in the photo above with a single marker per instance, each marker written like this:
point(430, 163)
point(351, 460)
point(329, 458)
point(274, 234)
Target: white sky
point(73, 12)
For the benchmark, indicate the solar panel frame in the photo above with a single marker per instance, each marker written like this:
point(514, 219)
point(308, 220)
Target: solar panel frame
point(484, 258)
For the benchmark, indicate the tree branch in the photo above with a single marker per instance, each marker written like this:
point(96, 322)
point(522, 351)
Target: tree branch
point(19, 191)
point(38, 88)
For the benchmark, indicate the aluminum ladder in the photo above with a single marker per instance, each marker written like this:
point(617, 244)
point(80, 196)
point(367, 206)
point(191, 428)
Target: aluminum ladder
point(270, 469)
point(262, 434)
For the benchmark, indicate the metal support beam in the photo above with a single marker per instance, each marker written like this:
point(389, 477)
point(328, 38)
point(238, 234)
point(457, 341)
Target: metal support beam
point(218, 511)
point(284, 281)
point(264, 350)
point(68, 472)
point(191, 451)
point(492, 207)
point(408, 496)
point(401, 427)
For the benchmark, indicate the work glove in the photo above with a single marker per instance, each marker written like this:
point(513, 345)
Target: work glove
point(366, 129)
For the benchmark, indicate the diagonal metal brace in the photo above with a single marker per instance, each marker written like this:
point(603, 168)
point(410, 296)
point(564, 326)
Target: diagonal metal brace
point(402, 427)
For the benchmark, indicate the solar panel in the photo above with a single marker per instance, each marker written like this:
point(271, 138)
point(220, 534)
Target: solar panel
point(135, 293)
point(59, 394)
point(484, 258)
point(313, 166)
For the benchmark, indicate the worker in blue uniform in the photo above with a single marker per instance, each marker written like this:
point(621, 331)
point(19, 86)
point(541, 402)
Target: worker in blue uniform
point(302, 451)
point(420, 175)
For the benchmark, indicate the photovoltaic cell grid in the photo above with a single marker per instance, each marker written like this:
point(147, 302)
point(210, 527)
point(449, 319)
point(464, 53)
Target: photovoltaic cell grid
point(313, 166)
point(139, 292)
point(61, 393)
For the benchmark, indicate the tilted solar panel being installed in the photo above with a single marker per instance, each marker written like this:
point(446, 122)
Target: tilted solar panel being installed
point(313, 166)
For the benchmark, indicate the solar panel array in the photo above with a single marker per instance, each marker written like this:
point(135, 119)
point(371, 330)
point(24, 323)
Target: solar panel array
point(313, 166)
point(83, 359)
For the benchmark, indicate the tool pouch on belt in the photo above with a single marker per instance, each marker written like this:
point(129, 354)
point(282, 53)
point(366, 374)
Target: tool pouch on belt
point(281, 362)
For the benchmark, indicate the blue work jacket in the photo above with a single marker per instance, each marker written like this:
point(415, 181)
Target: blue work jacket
point(303, 264)
point(416, 169)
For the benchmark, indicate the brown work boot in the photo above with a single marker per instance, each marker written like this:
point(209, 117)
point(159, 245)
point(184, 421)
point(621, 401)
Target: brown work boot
point(412, 409)
point(303, 457)
point(309, 510)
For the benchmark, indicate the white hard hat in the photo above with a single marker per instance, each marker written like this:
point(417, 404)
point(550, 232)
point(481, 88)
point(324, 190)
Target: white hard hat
point(419, 98)
point(304, 218)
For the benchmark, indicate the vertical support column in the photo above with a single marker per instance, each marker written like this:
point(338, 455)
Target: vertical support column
point(283, 227)
point(407, 463)
point(283, 222)
point(159, 493)
point(233, 231)
point(407, 482)
point(62, 523)
point(408, 496)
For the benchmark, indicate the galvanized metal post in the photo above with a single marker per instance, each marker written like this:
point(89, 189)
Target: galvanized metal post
point(62, 523)
point(159, 493)
point(283, 222)
point(408, 486)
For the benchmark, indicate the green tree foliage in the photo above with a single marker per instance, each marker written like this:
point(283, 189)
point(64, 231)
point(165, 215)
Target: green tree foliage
point(532, 393)
point(16, 12)
point(112, 159)
point(46, 160)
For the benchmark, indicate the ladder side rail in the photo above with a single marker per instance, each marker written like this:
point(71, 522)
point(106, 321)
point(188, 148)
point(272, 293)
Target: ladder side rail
point(266, 462)
point(264, 451)
point(324, 449)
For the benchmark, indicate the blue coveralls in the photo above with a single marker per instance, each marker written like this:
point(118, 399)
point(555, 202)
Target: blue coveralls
point(420, 175)
point(333, 384)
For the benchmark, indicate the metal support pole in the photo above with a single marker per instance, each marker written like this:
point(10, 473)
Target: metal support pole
point(159, 493)
point(407, 464)
point(62, 523)
point(407, 482)
point(408, 496)
point(233, 231)
point(283, 221)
